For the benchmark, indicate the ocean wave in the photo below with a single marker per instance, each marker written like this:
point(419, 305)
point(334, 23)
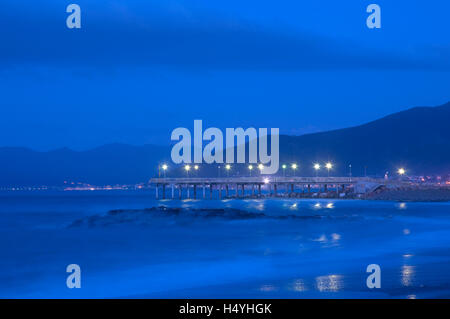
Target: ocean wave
point(148, 215)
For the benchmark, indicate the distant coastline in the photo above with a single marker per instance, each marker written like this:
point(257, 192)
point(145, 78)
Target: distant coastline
point(411, 193)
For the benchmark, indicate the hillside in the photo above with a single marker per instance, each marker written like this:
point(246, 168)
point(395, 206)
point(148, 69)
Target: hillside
point(417, 139)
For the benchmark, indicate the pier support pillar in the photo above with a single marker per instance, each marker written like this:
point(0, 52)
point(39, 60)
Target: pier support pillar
point(187, 191)
point(156, 191)
point(325, 188)
point(274, 189)
point(210, 191)
point(195, 191)
point(292, 188)
point(309, 188)
point(237, 190)
point(253, 189)
point(204, 191)
point(180, 191)
point(259, 189)
point(173, 191)
point(243, 190)
point(226, 190)
point(164, 191)
point(220, 191)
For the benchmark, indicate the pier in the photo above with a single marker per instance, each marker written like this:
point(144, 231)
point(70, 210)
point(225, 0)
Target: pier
point(240, 187)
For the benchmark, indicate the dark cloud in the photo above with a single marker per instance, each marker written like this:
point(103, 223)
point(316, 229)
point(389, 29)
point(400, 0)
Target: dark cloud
point(118, 36)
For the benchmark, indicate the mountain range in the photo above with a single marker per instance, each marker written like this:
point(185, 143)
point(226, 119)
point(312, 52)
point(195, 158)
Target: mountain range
point(417, 139)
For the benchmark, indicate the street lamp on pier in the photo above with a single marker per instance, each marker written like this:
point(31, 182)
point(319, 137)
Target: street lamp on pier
point(294, 167)
point(317, 167)
point(329, 166)
point(228, 167)
point(260, 167)
point(196, 170)
point(164, 167)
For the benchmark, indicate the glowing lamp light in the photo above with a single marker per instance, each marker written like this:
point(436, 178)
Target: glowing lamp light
point(329, 165)
point(401, 171)
point(164, 166)
point(261, 167)
point(196, 167)
point(317, 166)
point(187, 168)
point(266, 181)
point(228, 167)
point(250, 167)
point(294, 166)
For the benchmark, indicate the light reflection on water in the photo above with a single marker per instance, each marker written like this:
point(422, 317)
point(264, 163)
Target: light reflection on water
point(330, 283)
point(402, 206)
point(333, 238)
point(319, 206)
point(268, 288)
point(321, 239)
point(408, 275)
point(260, 207)
point(299, 285)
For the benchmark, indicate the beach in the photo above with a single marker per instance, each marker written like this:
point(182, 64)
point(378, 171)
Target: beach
point(128, 244)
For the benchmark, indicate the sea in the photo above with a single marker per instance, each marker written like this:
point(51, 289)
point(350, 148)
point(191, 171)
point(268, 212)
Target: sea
point(244, 248)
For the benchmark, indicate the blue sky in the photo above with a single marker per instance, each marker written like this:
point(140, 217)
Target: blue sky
point(138, 69)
